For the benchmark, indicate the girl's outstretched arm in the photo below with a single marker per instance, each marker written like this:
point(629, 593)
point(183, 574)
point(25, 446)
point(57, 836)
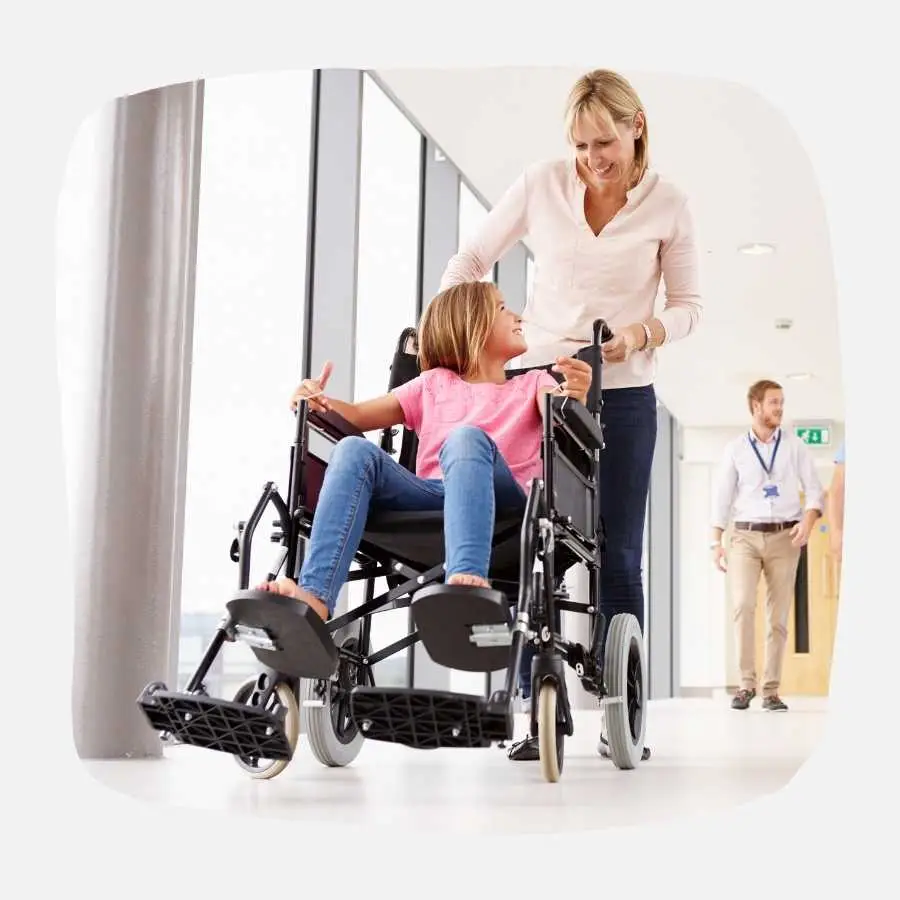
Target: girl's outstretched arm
point(368, 415)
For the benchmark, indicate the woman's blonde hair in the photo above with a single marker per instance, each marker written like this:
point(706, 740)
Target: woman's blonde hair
point(606, 97)
point(455, 327)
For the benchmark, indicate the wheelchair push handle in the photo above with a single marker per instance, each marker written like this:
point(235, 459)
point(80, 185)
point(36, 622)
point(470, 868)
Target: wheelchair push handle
point(408, 335)
point(602, 332)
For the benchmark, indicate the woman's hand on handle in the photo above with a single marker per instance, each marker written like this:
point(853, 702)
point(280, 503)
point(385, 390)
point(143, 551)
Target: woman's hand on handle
point(620, 346)
point(313, 390)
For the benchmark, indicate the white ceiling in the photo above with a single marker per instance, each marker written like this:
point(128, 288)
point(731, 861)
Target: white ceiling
point(749, 180)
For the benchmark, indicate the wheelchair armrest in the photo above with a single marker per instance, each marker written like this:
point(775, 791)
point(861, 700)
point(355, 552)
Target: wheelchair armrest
point(576, 418)
point(332, 425)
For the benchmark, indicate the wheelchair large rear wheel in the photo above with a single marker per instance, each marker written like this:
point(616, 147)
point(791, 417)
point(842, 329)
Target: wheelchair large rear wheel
point(625, 676)
point(281, 697)
point(333, 737)
point(551, 739)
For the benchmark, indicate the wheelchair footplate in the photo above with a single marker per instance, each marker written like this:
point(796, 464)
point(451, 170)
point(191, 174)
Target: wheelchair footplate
point(428, 720)
point(202, 721)
point(462, 627)
point(284, 634)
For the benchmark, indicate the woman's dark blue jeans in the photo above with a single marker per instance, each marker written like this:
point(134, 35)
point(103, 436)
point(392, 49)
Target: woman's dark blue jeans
point(629, 430)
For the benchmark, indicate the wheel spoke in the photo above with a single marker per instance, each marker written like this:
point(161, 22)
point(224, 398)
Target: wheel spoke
point(635, 691)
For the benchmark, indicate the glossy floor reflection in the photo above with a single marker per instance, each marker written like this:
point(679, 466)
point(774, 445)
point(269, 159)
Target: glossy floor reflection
point(706, 757)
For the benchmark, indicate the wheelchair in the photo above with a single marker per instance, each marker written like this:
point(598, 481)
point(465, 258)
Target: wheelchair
point(320, 674)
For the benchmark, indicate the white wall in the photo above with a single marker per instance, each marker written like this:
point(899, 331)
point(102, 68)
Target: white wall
point(706, 641)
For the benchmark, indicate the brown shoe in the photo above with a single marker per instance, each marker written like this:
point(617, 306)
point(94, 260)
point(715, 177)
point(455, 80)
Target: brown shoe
point(742, 699)
point(774, 702)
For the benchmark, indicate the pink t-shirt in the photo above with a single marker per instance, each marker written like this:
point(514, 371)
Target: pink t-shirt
point(439, 400)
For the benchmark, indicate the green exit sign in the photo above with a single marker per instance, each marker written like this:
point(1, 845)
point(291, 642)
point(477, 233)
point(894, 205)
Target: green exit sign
point(815, 436)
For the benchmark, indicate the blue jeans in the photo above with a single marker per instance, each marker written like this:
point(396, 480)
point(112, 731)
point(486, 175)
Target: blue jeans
point(629, 430)
point(361, 477)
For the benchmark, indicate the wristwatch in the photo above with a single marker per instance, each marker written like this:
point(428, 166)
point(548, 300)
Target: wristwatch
point(715, 545)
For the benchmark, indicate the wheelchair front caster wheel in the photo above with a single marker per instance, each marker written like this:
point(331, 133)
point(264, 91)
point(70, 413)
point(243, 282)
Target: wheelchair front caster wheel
point(281, 698)
point(551, 739)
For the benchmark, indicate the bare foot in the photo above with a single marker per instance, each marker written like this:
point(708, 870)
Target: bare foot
point(287, 587)
point(473, 580)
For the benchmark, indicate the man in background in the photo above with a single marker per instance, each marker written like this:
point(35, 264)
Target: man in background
point(758, 487)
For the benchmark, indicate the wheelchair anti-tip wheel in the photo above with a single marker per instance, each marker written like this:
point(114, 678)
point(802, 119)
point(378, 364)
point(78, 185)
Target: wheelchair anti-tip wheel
point(333, 737)
point(551, 739)
point(281, 698)
point(625, 675)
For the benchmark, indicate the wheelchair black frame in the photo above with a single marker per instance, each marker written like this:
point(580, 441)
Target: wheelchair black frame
point(535, 609)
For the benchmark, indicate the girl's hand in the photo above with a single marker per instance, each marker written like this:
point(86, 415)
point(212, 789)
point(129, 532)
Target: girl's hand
point(578, 376)
point(312, 390)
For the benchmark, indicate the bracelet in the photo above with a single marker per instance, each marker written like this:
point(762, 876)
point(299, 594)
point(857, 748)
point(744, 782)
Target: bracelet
point(649, 336)
point(715, 545)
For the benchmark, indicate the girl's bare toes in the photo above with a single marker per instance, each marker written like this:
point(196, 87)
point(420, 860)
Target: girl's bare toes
point(473, 580)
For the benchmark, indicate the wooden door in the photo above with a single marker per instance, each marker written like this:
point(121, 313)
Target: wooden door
point(810, 641)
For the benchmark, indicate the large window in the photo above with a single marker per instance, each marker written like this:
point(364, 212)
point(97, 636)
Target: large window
point(387, 278)
point(248, 339)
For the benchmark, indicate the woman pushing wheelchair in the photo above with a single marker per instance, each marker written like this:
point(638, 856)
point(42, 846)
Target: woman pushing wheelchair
point(605, 229)
point(479, 438)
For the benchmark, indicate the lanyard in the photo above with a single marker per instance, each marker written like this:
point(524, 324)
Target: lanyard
point(766, 469)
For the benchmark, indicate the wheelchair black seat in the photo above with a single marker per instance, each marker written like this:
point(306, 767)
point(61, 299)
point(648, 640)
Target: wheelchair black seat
point(417, 539)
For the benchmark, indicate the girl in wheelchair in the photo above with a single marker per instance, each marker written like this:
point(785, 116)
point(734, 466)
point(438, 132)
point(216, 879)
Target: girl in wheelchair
point(479, 443)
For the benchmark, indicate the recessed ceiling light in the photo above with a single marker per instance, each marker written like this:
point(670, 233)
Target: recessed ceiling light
point(756, 249)
point(800, 376)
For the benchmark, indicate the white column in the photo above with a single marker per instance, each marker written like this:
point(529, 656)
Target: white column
point(126, 389)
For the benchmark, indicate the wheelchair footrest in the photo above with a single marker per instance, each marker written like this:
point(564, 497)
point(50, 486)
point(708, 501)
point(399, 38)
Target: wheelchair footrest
point(283, 634)
point(428, 720)
point(462, 627)
point(235, 728)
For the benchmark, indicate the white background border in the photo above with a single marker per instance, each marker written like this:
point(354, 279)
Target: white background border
point(828, 70)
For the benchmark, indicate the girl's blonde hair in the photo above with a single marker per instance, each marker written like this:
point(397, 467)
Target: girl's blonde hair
point(603, 96)
point(455, 327)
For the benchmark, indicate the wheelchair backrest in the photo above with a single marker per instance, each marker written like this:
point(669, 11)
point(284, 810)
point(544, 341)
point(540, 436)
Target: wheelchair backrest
point(405, 367)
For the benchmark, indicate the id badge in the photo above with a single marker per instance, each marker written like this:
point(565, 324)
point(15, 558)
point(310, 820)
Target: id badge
point(770, 491)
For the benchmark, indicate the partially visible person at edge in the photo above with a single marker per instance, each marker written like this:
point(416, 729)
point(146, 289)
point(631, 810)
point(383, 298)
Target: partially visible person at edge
point(604, 228)
point(835, 505)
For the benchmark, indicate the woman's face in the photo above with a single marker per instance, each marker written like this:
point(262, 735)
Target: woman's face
point(605, 156)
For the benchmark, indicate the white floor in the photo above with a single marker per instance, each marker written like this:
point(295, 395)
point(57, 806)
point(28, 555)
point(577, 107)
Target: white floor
point(706, 757)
